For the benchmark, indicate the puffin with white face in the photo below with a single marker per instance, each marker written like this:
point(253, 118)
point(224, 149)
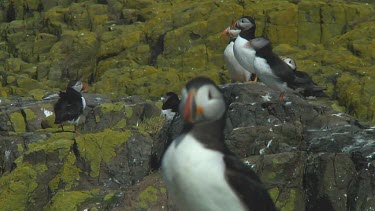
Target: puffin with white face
point(273, 71)
point(198, 169)
point(244, 53)
point(71, 104)
point(309, 87)
point(236, 72)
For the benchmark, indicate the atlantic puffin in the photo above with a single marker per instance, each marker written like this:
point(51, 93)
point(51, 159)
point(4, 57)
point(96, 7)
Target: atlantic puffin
point(71, 104)
point(272, 70)
point(170, 105)
point(244, 53)
point(309, 88)
point(236, 72)
point(199, 171)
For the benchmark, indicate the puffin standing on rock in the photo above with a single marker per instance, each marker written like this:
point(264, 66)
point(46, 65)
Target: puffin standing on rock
point(198, 169)
point(244, 53)
point(71, 104)
point(236, 71)
point(272, 70)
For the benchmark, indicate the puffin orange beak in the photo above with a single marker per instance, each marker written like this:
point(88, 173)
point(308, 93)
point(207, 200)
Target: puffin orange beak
point(191, 111)
point(233, 26)
point(188, 109)
point(84, 87)
point(225, 32)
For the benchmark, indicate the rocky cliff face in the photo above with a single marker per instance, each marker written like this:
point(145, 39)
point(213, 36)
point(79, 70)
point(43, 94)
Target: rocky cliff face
point(308, 155)
point(155, 46)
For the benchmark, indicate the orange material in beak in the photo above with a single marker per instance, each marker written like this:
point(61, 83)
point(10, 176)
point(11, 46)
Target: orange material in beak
point(84, 87)
point(233, 26)
point(187, 110)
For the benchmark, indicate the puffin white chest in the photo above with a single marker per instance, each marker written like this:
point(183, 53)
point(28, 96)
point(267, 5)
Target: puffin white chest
point(195, 177)
point(244, 54)
point(236, 71)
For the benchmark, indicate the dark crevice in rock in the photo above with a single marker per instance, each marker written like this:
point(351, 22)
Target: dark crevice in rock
point(156, 49)
point(321, 24)
point(11, 12)
point(75, 149)
point(194, 36)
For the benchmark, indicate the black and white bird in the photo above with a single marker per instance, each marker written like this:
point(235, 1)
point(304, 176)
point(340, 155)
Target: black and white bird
point(236, 72)
point(71, 104)
point(170, 105)
point(243, 52)
point(309, 87)
point(272, 70)
point(198, 169)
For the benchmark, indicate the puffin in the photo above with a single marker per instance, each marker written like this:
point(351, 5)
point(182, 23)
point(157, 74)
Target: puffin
point(273, 71)
point(198, 169)
point(310, 88)
point(70, 104)
point(170, 105)
point(244, 53)
point(236, 72)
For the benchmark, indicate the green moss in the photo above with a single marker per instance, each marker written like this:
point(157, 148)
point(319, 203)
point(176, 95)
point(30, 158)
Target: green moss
point(98, 147)
point(149, 195)
point(19, 147)
point(289, 203)
point(29, 114)
point(163, 190)
point(61, 145)
point(128, 111)
point(69, 200)
point(17, 187)
point(151, 125)
point(68, 174)
point(271, 176)
point(41, 167)
point(108, 107)
point(121, 124)
point(274, 193)
point(109, 196)
point(18, 122)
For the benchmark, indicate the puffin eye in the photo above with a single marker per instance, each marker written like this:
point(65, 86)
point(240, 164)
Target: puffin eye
point(209, 95)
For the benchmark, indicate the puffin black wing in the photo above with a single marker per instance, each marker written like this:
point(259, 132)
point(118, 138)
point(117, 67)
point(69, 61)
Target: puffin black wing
point(307, 86)
point(247, 185)
point(69, 106)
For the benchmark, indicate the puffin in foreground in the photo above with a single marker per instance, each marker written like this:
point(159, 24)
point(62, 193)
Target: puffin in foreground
point(170, 105)
point(310, 88)
point(243, 52)
point(71, 104)
point(198, 169)
point(236, 72)
point(273, 71)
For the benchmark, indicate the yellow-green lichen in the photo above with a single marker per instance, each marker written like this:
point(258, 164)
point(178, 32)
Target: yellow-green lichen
point(69, 200)
point(18, 122)
point(40, 167)
point(29, 114)
point(289, 202)
point(61, 145)
point(128, 111)
point(274, 193)
point(109, 196)
point(17, 187)
point(151, 125)
point(121, 124)
point(19, 147)
point(149, 195)
point(108, 107)
point(68, 174)
point(98, 147)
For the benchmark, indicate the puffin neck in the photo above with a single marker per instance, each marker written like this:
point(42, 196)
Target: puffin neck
point(73, 91)
point(210, 134)
point(248, 34)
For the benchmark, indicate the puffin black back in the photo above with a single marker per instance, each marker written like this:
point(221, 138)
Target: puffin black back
point(69, 106)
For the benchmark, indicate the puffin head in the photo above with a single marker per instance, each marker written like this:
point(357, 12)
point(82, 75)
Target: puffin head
point(201, 101)
point(231, 31)
point(290, 62)
point(78, 85)
point(245, 23)
point(170, 101)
